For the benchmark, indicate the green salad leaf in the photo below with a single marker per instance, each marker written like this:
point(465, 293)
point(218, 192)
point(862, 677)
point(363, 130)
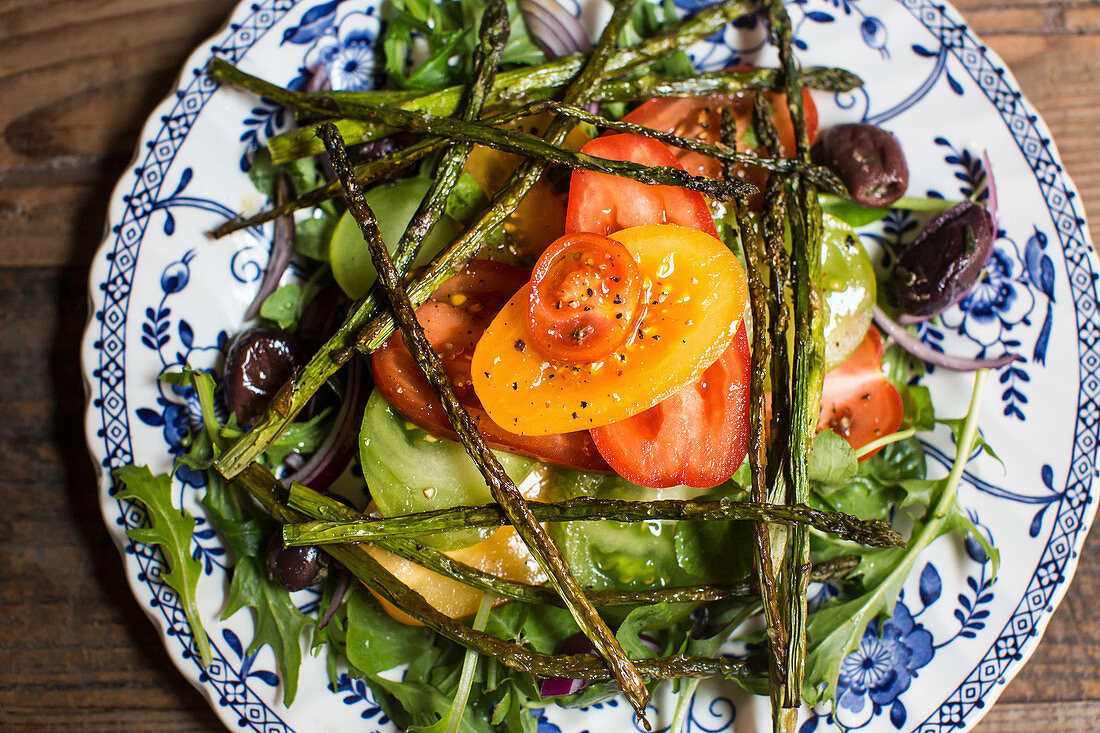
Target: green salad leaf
point(836, 629)
point(277, 621)
point(170, 529)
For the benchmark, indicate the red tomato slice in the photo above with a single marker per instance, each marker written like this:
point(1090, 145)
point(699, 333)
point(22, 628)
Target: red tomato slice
point(857, 402)
point(604, 204)
point(585, 298)
point(453, 319)
point(701, 118)
point(697, 437)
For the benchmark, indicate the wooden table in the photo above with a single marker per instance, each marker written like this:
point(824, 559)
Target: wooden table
point(77, 79)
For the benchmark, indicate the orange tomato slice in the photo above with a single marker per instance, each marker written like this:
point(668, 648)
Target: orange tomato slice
point(695, 294)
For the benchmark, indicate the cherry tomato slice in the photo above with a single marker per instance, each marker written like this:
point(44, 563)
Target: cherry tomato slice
point(857, 401)
point(453, 319)
point(584, 298)
point(697, 437)
point(696, 295)
point(604, 204)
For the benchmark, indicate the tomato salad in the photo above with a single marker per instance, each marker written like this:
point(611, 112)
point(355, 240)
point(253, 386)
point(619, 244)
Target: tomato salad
point(600, 344)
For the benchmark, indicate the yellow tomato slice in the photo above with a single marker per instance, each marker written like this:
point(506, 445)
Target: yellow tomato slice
point(695, 299)
point(502, 554)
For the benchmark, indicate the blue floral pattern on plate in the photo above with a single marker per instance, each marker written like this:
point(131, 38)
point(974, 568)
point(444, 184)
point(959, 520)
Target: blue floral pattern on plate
point(163, 295)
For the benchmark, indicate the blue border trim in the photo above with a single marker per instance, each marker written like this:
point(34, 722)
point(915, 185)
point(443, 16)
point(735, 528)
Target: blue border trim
point(1070, 520)
point(233, 691)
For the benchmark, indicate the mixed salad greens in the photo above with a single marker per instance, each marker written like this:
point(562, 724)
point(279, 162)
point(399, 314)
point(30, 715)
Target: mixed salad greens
point(507, 420)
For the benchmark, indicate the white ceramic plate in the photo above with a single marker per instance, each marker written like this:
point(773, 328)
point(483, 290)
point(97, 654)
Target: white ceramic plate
point(163, 293)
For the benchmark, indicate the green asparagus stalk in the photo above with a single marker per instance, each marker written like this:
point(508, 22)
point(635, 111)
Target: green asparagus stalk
point(725, 152)
point(511, 141)
point(359, 331)
point(647, 86)
point(644, 87)
point(873, 533)
point(753, 247)
point(319, 506)
point(265, 489)
point(520, 83)
point(808, 369)
point(501, 487)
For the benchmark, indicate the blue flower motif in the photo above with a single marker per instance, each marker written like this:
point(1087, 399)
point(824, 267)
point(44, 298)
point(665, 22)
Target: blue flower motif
point(177, 425)
point(881, 669)
point(1000, 300)
point(346, 53)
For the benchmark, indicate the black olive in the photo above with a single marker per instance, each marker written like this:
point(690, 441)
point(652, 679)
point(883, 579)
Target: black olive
point(868, 160)
point(371, 151)
point(943, 262)
point(259, 363)
point(295, 568)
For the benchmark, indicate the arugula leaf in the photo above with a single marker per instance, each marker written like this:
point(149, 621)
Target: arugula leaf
point(277, 621)
point(171, 530)
point(284, 306)
point(658, 616)
point(832, 461)
point(377, 642)
point(425, 704)
point(299, 437)
point(452, 720)
point(853, 214)
point(439, 33)
point(245, 530)
point(311, 237)
point(837, 629)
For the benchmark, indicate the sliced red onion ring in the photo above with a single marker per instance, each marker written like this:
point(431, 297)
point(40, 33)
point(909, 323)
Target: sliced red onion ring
point(339, 446)
point(554, 686)
point(991, 187)
point(923, 351)
point(282, 249)
point(553, 29)
point(580, 644)
point(338, 594)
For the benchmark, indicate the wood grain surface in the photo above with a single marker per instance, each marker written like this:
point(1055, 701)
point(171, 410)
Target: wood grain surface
point(77, 80)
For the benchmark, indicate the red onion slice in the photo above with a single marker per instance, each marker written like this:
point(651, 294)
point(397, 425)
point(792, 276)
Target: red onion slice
point(554, 686)
point(282, 249)
point(923, 351)
point(991, 187)
point(580, 644)
point(553, 29)
point(339, 446)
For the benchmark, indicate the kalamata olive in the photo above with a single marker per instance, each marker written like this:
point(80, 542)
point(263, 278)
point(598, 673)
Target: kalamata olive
point(373, 150)
point(943, 262)
point(295, 568)
point(868, 159)
point(259, 363)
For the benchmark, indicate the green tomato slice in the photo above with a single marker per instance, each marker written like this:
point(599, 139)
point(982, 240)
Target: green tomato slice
point(847, 289)
point(393, 205)
point(409, 470)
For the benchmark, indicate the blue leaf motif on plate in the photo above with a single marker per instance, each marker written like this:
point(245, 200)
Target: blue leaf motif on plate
point(315, 22)
point(355, 692)
point(1040, 271)
point(930, 585)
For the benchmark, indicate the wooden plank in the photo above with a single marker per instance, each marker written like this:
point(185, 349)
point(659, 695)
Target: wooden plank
point(1066, 717)
point(76, 651)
